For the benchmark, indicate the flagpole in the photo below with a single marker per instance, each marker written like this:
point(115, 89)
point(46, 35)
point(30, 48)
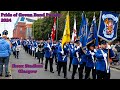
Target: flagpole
point(108, 59)
point(57, 27)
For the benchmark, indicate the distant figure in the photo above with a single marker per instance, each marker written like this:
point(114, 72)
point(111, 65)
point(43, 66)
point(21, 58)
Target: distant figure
point(40, 53)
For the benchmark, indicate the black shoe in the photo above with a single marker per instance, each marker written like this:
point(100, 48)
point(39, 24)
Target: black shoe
point(51, 71)
point(58, 74)
point(45, 69)
point(0, 74)
point(7, 75)
point(65, 77)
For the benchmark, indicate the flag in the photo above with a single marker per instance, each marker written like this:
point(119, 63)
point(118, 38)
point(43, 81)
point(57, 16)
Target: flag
point(92, 37)
point(83, 32)
point(74, 35)
point(108, 26)
point(53, 30)
point(80, 30)
point(66, 33)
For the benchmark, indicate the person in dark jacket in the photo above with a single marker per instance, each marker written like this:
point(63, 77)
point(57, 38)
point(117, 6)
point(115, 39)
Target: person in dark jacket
point(40, 53)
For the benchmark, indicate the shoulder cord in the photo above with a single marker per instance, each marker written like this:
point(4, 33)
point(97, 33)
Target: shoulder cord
point(105, 59)
point(93, 59)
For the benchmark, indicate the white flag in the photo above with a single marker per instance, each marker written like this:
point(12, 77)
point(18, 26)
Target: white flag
point(74, 35)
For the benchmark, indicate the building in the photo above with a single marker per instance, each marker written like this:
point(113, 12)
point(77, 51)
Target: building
point(23, 28)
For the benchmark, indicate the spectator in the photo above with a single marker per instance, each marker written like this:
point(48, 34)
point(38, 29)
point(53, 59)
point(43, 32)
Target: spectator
point(5, 52)
point(117, 47)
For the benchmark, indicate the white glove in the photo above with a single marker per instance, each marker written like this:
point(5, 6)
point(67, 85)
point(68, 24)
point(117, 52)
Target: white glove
point(95, 50)
point(78, 66)
point(78, 47)
point(75, 48)
point(92, 53)
point(108, 47)
point(62, 52)
point(105, 55)
point(64, 46)
point(77, 54)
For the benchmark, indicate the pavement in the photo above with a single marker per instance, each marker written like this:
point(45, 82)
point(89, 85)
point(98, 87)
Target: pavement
point(115, 66)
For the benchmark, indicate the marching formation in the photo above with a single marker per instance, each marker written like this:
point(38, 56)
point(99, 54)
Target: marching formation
point(92, 60)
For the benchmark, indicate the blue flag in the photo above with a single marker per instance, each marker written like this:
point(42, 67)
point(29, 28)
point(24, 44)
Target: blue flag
point(108, 25)
point(92, 37)
point(83, 32)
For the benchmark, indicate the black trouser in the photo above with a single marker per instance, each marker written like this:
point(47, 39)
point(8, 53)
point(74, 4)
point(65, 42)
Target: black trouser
point(16, 54)
point(74, 70)
point(55, 56)
point(87, 72)
point(30, 52)
point(27, 49)
point(50, 62)
point(80, 70)
point(64, 65)
point(41, 59)
point(70, 63)
point(102, 75)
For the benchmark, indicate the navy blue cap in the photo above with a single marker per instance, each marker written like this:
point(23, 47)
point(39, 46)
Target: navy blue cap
point(91, 44)
point(103, 42)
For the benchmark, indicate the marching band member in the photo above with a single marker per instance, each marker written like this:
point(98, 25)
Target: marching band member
point(76, 57)
point(82, 63)
point(55, 47)
point(90, 64)
point(62, 59)
point(18, 47)
point(102, 65)
point(71, 47)
point(29, 45)
point(48, 55)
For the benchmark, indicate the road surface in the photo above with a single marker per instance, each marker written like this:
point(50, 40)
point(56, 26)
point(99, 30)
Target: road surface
point(22, 69)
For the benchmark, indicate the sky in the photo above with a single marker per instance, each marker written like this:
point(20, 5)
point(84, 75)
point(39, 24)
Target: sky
point(10, 25)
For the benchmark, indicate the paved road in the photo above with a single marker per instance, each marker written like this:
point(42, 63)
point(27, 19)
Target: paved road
point(41, 74)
